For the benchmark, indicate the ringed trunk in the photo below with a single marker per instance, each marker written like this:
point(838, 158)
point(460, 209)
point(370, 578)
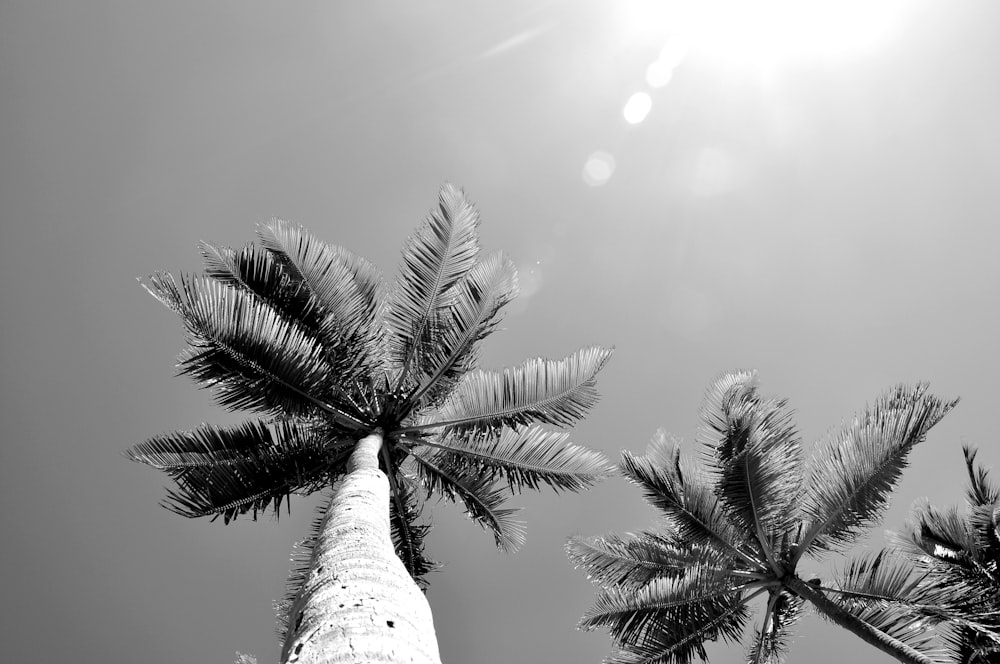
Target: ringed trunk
point(358, 603)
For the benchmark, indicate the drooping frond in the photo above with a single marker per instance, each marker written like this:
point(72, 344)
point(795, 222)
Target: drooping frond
point(771, 641)
point(302, 557)
point(478, 493)
point(633, 561)
point(408, 532)
point(756, 455)
point(981, 489)
point(527, 457)
point(852, 476)
point(557, 392)
point(442, 251)
point(475, 302)
point(346, 286)
point(687, 501)
point(669, 619)
point(228, 472)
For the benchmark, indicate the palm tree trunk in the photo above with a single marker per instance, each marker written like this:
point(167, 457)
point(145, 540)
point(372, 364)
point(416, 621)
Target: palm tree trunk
point(358, 603)
point(848, 621)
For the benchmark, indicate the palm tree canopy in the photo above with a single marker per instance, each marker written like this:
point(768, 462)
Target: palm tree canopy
point(958, 555)
point(307, 336)
point(736, 524)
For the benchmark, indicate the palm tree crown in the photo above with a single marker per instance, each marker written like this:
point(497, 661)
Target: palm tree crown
point(304, 334)
point(958, 555)
point(737, 525)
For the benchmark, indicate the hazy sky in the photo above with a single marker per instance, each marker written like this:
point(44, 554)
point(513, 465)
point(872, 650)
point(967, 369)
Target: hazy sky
point(824, 214)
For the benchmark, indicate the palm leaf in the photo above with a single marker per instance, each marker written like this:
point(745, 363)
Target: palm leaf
point(256, 271)
point(981, 489)
point(635, 560)
point(443, 250)
point(479, 494)
point(476, 300)
point(527, 457)
point(539, 391)
point(250, 355)
point(757, 456)
point(407, 532)
point(208, 445)
point(669, 619)
point(771, 642)
point(883, 580)
point(852, 476)
point(690, 505)
point(896, 626)
point(346, 286)
point(228, 472)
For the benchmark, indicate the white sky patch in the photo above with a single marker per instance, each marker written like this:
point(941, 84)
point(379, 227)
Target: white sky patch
point(716, 172)
point(637, 107)
point(598, 168)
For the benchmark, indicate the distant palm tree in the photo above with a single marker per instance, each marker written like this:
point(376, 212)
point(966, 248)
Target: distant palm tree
point(958, 556)
point(378, 390)
point(736, 528)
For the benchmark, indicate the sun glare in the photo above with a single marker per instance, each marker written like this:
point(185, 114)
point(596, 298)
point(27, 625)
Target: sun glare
point(762, 32)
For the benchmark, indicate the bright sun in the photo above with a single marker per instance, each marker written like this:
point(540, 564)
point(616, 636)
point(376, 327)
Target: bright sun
point(762, 33)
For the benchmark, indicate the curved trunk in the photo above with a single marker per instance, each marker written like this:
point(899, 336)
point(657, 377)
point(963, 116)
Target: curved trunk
point(852, 623)
point(358, 603)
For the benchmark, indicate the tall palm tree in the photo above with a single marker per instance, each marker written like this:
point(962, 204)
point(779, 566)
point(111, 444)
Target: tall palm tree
point(737, 526)
point(376, 392)
point(957, 555)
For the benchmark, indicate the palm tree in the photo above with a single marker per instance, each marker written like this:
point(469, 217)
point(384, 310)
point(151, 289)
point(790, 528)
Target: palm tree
point(377, 393)
point(736, 528)
point(958, 556)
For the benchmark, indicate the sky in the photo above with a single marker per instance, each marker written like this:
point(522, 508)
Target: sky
point(813, 196)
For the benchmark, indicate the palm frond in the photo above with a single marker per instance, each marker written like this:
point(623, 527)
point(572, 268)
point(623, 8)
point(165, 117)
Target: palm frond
point(633, 561)
point(686, 500)
point(256, 270)
point(852, 477)
point(478, 493)
point(475, 303)
point(444, 249)
point(208, 445)
point(556, 392)
point(670, 619)
point(346, 286)
point(884, 580)
point(228, 472)
point(252, 357)
point(407, 532)
point(771, 642)
point(981, 489)
point(755, 450)
point(527, 457)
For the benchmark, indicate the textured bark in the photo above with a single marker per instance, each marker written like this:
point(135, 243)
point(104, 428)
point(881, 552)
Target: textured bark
point(835, 613)
point(358, 603)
